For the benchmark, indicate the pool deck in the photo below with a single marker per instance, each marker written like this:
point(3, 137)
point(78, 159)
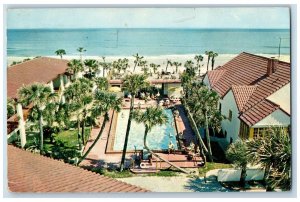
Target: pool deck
point(98, 157)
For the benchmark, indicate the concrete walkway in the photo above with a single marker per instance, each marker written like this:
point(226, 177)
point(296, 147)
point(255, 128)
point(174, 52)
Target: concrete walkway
point(181, 183)
point(97, 156)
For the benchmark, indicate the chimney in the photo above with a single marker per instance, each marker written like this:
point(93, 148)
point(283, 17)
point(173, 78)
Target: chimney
point(271, 68)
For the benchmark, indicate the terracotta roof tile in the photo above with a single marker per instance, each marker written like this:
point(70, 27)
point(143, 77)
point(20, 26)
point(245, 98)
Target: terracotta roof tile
point(29, 172)
point(41, 70)
point(214, 76)
point(258, 112)
point(242, 94)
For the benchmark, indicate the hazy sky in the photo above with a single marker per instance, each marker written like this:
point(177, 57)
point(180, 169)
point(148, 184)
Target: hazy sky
point(262, 17)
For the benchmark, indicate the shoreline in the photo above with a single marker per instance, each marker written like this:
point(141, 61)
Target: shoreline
point(221, 59)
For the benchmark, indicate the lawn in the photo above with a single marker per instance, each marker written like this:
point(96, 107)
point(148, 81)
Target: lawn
point(211, 166)
point(64, 146)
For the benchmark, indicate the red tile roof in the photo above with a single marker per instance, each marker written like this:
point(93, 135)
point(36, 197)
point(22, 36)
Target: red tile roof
point(214, 76)
point(242, 94)
point(244, 72)
point(258, 112)
point(29, 172)
point(41, 70)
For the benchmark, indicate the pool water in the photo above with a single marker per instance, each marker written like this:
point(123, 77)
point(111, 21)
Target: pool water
point(157, 139)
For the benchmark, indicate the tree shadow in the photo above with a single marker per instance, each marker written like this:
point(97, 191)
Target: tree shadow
point(205, 185)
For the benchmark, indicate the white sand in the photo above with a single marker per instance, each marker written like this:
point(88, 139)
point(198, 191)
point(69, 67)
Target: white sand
point(161, 60)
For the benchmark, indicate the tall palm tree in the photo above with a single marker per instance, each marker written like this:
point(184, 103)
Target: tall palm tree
point(214, 55)
point(273, 151)
point(132, 84)
point(101, 83)
point(74, 67)
point(79, 96)
point(81, 50)
point(60, 52)
point(137, 60)
point(154, 67)
point(198, 58)
point(124, 64)
point(92, 66)
point(237, 153)
point(103, 103)
point(105, 65)
point(203, 103)
point(209, 55)
point(151, 117)
point(177, 64)
point(38, 95)
point(169, 62)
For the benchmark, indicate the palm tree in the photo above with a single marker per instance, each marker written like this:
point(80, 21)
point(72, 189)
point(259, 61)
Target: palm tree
point(79, 96)
point(209, 55)
point(132, 84)
point(74, 67)
point(151, 117)
point(137, 60)
point(177, 64)
point(81, 50)
point(124, 64)
point(198, 58)
point(105, 65)
point(154, 67)
point(169, 62)
point(103, 103)
point(101, 83)
point(38, 95)
point(60, 52)
point(214, 55)
point(203, 103)
point(93, 67)
point(237, 153)
point(11, 107)
point(273, 152)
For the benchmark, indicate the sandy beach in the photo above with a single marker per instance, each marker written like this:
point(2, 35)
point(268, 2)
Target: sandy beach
point(161, 60)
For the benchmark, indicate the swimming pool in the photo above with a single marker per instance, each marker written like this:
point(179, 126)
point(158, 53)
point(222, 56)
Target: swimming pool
point(158, 138)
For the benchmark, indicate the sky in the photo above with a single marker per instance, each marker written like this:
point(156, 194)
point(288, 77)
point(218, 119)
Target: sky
point(251, 17)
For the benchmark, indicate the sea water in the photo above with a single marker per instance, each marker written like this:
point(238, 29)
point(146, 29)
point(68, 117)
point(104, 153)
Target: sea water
point(126, 42)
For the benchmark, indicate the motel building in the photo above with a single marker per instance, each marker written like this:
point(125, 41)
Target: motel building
point(43, 70)
point(170, 88)
point(254, 95)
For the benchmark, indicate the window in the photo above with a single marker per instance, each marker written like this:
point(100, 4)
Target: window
point(230, 115)
point(220, 107)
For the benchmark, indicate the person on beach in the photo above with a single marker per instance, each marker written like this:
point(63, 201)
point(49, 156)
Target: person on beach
point(171, 148)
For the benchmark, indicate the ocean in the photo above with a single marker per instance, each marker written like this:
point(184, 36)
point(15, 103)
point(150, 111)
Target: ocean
point(152, 42)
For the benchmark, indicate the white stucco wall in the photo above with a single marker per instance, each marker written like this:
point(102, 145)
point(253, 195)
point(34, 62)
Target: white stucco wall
point(206, 81)
point(282, 97)
point(232, 127)
point(277, 118)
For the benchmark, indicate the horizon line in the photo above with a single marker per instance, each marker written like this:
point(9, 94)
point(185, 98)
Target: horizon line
point(216, 28)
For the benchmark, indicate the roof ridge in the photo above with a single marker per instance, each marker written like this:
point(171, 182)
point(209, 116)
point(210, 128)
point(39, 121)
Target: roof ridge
point(265, 57)
point(35, 58)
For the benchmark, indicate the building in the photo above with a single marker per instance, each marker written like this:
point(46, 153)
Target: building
point(43, 70)
point(168, 87)
point(254, 95)
point(29, 172)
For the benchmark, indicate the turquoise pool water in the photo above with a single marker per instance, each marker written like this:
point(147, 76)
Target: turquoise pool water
point(157, 139)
